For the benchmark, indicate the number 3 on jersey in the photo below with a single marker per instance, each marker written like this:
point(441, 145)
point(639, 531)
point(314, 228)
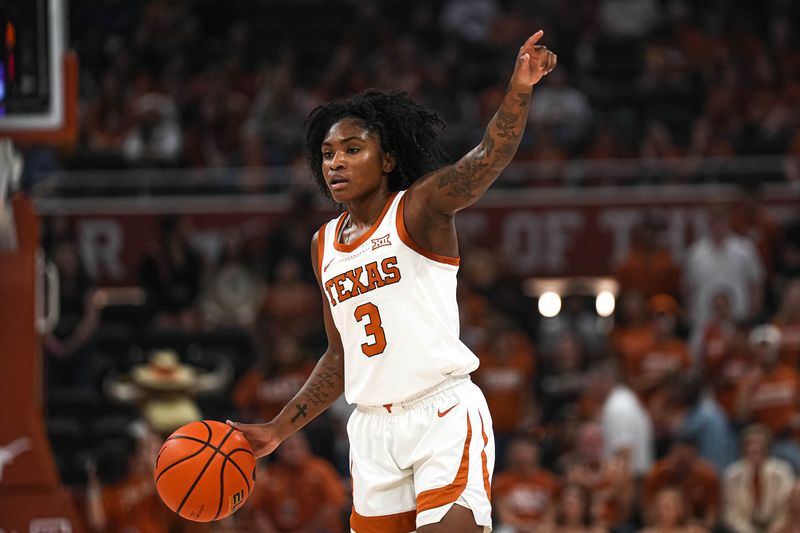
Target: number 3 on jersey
point(372, 327)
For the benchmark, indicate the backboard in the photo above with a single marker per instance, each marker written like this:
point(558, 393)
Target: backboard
point(38, 78)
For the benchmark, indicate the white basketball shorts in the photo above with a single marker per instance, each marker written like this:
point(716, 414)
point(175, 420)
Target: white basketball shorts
point(411, 461)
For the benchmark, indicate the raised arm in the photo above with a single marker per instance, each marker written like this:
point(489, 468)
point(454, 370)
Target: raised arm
point(321, 389)
point(457, 186)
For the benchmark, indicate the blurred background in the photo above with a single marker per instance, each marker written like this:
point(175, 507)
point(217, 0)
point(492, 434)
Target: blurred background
point(631, 283)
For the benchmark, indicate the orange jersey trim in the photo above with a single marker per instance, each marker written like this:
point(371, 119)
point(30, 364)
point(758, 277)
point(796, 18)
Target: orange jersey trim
point(433, 498)
point(320, 248)
point(362, 239)
point(485, 461)
point(408, 241)
point(391, 523)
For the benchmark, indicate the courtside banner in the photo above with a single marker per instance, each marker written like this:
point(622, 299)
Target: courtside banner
point(542, 232)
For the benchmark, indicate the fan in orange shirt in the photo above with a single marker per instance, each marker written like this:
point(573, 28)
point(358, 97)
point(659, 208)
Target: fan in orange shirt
point(696, 478)
point(769, 393)
point(264, 389)
point(651, 368)
point(506, 378)
point(649, 267)
point(130, 503)
point(632, 330)
point(608, 480)
point(788, 321)
point(297, 492)
point(524, 494)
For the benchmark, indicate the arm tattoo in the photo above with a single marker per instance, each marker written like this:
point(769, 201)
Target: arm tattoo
point(468, 178)
point(323, 387)
point(301, 411)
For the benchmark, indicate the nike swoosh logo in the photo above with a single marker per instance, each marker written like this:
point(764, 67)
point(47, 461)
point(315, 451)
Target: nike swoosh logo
point(442, 413)
point(329, 264)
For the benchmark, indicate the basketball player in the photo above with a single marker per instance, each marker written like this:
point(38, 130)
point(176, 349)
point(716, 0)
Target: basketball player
point(422, 449)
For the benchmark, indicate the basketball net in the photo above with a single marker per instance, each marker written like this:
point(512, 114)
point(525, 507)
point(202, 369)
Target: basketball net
point(10, 174)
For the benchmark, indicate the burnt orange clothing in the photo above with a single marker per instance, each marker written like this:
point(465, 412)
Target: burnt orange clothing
point(506, 383)
point(649, 273)
point(598, 480)
point(774, 400)
point(699, 483)
point(529, 496)
point(661, 356)
point(725, 364)
point(790, 340)
point(626, 341)
point(134, 505)
point(292, 497)
point(268, 395)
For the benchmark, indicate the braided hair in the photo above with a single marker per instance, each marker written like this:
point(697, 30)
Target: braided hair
point(406, 129)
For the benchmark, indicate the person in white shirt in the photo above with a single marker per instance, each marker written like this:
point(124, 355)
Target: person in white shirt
point(722, 261)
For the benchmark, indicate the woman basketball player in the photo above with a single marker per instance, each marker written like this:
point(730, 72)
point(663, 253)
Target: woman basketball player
point(421, 435)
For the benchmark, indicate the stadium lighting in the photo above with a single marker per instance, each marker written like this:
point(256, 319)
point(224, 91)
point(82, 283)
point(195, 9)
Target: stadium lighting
point(605, 303)
point(549, 304)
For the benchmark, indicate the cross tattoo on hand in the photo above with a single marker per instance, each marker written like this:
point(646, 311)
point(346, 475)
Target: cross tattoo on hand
point(301, 411)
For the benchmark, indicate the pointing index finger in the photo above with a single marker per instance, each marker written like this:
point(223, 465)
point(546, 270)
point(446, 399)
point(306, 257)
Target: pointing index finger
point(533, 39)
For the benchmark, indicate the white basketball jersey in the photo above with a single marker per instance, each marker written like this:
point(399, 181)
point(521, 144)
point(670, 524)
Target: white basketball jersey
point(394, 305)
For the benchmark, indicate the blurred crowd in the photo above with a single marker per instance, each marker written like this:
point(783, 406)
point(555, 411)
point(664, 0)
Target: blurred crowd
point(679, 413)
point(195, 83)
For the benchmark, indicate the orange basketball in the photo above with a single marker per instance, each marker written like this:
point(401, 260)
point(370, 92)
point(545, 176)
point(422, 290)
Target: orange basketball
point(205, 471)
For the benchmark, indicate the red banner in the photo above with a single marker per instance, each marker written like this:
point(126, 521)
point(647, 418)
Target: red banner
point(542, 233)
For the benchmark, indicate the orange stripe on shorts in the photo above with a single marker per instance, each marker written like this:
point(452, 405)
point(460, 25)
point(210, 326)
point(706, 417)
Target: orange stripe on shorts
point(433, 498)
point(390, 523)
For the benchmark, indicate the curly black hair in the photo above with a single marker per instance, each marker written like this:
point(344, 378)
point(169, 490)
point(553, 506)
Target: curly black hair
point(407, 130)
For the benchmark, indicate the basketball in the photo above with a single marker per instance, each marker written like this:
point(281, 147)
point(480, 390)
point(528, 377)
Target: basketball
point(205, 471)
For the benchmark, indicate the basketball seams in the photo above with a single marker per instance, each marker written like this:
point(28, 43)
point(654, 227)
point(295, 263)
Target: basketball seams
point(221, 486)
point(200, 475)
point(236, 465)
point(179, 461)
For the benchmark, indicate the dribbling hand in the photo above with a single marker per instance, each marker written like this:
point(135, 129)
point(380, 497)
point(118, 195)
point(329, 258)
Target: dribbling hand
point(263, 438)
point(534, 61)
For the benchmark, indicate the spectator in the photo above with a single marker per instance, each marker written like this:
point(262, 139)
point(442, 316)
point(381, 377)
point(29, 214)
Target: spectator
point(68, 348)
point(698, 415)
point(649, 267)
point(562, 109)
point(608, 481)
point(155, 137)
point(769, 393)
point(506, 378)
point(121, 492)
point(165, 389)
point(632, 329)
point(564, 377)
point(671, 514)
point(297, 492)
point(661, 359)
point(627, 427)
point(574, 513)
point(722, 261)
point(683, 470)
point(264, 389)
point(231, 290)
point(170, 275)
point(524, 494)
point(787, 320)
point(757, 488)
